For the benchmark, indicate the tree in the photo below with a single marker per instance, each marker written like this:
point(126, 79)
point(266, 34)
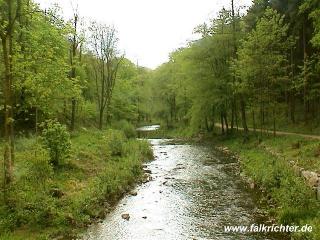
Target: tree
point(76, 43)
point(262, 62)
point(9, 13)
point(104, 44)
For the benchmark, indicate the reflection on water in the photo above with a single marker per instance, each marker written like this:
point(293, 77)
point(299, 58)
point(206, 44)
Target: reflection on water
point(149, 128)
point(194, 193)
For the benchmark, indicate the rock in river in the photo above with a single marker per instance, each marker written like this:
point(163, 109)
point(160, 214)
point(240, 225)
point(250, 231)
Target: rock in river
point(125, 216)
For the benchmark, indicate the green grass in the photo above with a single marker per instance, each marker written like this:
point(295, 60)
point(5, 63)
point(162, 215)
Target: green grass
point(95, 177)
point(267, 163)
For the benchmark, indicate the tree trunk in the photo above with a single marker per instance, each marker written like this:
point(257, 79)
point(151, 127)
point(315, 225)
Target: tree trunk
point(305, 79)
point(226, 121)
point(222, 123)
point(207, 124)
point(101, 118)
point(291, 93)
point(8, 114)
point(232, 115)
point(243, 115)
point(292, 108)
point(254, 120)
point(73, 114)
point(274, 121)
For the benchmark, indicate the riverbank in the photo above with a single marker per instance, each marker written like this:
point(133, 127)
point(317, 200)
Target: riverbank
point(48, 203)
point(284, 168)
point(195, 191)
point(275, 166)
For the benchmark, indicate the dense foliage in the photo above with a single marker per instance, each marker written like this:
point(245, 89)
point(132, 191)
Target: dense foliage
point(60, 77)
point(259, 70)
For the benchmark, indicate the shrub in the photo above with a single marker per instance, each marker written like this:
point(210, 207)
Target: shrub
point(128, 129)
point(56, 139)
point(115, 140)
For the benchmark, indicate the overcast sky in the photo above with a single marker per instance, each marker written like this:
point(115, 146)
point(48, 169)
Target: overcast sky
point(148, 29)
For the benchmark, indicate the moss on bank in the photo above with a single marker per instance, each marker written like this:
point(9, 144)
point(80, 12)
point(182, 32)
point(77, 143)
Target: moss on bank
point(45, 203)
point(269, 164)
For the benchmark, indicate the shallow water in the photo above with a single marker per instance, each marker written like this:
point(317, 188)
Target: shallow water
point(195, 191)
point(148, 128)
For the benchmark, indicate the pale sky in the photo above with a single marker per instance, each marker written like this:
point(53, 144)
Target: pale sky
point(148, 29)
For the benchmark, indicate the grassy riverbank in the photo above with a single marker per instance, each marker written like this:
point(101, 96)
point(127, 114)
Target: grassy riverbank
point(46, 203)
point(271, 165)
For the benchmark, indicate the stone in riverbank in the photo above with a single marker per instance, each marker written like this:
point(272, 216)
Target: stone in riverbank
point(133, 193)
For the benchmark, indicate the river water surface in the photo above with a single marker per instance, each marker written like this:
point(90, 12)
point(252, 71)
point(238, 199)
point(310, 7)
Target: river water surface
point(195, 191)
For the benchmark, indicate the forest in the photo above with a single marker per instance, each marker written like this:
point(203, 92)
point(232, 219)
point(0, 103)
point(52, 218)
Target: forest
point(259, 70)
point(70, 103)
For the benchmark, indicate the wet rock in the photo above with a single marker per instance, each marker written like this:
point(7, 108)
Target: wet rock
point(165, 182)
point(178, 168)
point(133, 193)
point(147, 178)
point(169, 178)
point(125, 216)
point(147, 171)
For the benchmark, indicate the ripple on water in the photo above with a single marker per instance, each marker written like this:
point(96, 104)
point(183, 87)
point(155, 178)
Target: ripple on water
point(195, 192)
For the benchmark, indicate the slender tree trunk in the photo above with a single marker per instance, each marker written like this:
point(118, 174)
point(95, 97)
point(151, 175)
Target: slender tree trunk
point(232, 115)
point(8, 113)
point(305, 79)
point(226, 121)
point(237, 117)
point(234, 55)
point(292, 108)
point(291, 93)
point(101, 118)
point(222, 123)
point(274, 120)
point(254, 121)
point(261, 119)
point(73, 113)
point(73, 71)
point(207, 124)
point(36, 122)
point(243, 115)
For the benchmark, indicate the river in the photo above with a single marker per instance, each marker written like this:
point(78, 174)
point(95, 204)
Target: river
point(195, 191)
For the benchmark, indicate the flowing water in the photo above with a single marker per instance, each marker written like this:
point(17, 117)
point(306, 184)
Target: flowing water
point(195, 191)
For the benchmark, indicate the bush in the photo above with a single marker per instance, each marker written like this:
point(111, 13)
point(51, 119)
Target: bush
point(115, 140)
point(56, 139)
point(128, 129)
